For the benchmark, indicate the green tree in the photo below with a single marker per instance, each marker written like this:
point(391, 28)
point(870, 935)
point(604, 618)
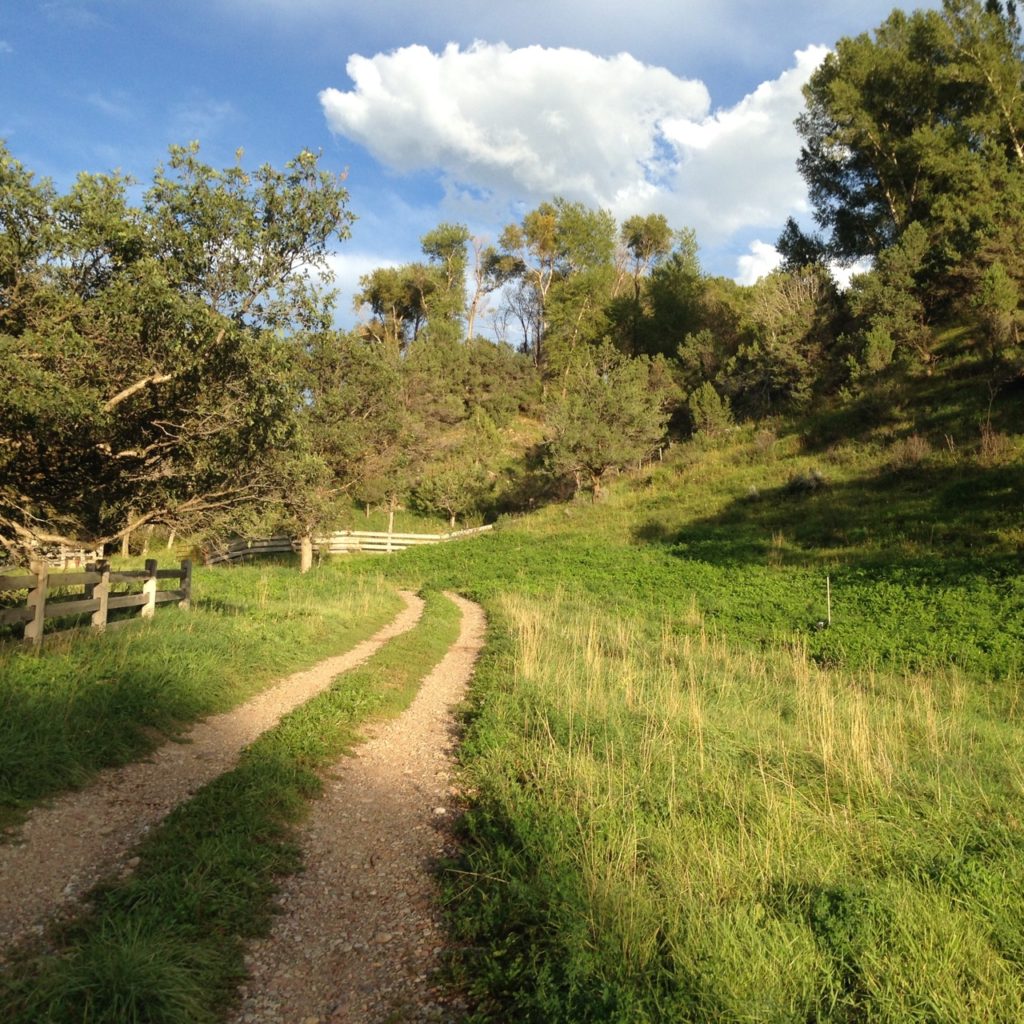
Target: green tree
point(997, 305)
point(790, 321)
point(560, 256)
point(612, 414)
point(145, 348)
point(920, 123)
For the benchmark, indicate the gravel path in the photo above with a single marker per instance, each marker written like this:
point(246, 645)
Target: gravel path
point(359, 937)
point(65, 848)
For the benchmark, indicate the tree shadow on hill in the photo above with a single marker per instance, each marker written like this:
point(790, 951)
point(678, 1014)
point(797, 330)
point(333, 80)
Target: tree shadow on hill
point(946, 521)
point(952, 407)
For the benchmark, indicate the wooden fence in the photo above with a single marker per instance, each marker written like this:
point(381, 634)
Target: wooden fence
point(96, 599)
point(340, 542)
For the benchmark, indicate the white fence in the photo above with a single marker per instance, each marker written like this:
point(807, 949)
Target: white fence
point(338, 543)
point(96, 599)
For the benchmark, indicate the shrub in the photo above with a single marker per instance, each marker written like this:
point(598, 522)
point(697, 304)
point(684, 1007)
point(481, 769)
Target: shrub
point(909, 452)
point(710, 413)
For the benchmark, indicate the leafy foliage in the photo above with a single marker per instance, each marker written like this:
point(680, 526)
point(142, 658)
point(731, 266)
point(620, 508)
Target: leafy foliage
point(148, 376)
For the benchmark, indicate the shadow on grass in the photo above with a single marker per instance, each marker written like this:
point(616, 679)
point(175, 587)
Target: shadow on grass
point(949, 520)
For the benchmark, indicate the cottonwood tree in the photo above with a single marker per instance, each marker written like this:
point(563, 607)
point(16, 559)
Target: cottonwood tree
point(921, 122)
point(144, 347)
point(557, 262)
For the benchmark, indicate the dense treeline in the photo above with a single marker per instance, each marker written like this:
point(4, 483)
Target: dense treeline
point(175, 362)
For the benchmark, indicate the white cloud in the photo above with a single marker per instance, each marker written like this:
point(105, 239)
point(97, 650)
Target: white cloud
point(527, 124)
point(760, 261)
point(531, 122)
point(843, 275)
point(5, 47)
point(737, 168)
point(347, 267)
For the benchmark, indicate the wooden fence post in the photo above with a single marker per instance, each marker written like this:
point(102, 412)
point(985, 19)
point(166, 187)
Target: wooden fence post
point(37, 602)
point(99, 592)
point(149, 589)
point(186, 583)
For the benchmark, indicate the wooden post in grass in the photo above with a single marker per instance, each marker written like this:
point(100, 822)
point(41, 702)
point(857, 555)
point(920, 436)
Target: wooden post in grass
point(149, 589)
point(37, 602)
point(186, 583)
point(828, 598)
point(99, 592)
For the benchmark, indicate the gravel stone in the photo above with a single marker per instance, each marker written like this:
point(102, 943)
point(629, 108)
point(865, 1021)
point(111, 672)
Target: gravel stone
point(359, 937)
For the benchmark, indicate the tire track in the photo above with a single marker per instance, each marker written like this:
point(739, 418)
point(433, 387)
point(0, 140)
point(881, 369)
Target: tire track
point(68, 846)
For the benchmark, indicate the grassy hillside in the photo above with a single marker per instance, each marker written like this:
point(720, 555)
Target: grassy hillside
point(691, 797)
point(696, 800)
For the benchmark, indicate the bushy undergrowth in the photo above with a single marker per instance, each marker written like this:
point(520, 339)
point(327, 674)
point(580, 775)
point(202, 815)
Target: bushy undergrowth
point(166, 945)
point(86, 702)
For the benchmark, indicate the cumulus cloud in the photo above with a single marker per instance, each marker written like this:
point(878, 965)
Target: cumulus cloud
point(526, 124)
point(533, 122)
point(761, 260)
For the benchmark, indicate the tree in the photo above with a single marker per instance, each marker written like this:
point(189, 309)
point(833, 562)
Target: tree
point(445, 249)
point(145, 347)
point(398, 299)
point(612, 414)
point(554, 244)
point(997, 305)
point(890, 306)
point(923, 123)
point(789, 325)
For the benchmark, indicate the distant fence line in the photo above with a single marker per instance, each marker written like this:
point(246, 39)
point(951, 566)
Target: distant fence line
point(96, 598)
point(337, 543)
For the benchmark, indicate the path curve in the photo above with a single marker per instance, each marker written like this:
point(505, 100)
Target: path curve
point(359, 935)
point(68, 846)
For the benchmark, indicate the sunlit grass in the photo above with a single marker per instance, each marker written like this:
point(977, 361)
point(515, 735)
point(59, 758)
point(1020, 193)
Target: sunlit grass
point(166, 944)
point(84, 702)
point(668, 828)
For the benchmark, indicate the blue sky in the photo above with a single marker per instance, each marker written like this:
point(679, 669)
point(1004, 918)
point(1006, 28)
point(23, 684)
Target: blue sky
point(441, 110)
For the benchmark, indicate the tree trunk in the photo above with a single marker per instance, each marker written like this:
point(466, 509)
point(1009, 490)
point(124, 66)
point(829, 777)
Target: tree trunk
point(451, 521)
point(125, 543)
point(305, 553)
point(170, 538)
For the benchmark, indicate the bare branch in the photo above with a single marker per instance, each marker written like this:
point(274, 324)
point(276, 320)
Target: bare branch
point(126, 393)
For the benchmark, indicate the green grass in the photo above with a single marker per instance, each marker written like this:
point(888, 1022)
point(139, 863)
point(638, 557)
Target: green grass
point(86, 702)
point(693, 803)
point(668, 828)
point(166, 945)
point(690, 802)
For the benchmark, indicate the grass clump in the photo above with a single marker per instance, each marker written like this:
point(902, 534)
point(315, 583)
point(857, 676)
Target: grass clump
point(86, 702)
point(165, 946)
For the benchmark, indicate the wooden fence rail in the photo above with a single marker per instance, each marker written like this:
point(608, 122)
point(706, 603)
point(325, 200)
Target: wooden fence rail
point(97, 599)
point(337, 543)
